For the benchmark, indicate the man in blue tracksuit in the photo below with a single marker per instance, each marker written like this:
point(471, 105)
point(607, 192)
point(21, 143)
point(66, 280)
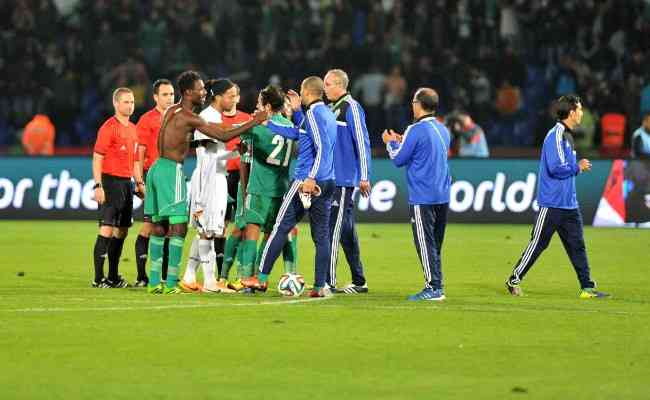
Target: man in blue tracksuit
point(352, 168)
point(313, 183)
point(556, 196)
point(423, 150)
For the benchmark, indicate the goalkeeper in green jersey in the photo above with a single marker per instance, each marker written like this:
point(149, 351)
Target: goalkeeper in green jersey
point(259, 201)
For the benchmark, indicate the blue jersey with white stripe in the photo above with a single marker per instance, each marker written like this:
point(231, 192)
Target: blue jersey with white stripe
point(352, 159)
point(557, 170)
point(423, 151)
point(315, 132)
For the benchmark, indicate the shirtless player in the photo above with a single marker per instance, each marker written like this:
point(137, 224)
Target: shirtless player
point(166, 189)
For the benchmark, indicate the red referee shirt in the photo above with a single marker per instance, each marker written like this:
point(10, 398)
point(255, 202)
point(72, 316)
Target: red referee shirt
point(240, 117)
point(117, 143)
point(148, 128)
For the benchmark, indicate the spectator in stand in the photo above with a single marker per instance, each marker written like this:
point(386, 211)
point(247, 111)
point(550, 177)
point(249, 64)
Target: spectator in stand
point(469, 137)
point(38, 136)
point(369, 88)
point(641, 139)
point(394, 100)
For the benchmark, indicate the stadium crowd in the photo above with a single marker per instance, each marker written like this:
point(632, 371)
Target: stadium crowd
point(500, 61)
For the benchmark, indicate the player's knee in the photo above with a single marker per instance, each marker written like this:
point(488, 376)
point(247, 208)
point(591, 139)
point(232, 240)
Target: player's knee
point(178, 230)
point(120, 233)
point(146, 229)
point(158, 230)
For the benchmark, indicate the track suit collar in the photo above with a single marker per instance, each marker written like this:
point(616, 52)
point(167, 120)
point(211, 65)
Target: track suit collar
point(314, 104)
point(337, 102)
point(427, 117)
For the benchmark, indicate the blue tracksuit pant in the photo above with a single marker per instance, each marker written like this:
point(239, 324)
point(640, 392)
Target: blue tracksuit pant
point(429, 222)
point(342, 231)
point(291, 212)
point(568, 224)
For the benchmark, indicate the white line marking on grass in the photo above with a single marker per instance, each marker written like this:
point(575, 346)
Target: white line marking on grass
point(162, 307)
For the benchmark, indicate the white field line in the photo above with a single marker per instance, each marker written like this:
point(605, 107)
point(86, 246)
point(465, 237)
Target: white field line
point(304, 302)
point(161, 307)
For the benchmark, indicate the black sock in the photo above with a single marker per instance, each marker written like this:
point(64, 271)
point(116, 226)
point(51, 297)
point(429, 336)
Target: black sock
point(141, 250)
point(101, 249)
point(219, 244)
point(114, 254)
point(165, 261)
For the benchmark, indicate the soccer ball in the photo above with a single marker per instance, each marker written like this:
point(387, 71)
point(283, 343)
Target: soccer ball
point(291, 284)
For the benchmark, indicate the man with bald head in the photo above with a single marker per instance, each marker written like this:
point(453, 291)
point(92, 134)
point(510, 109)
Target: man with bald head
point(423, 151)
point(312, 186)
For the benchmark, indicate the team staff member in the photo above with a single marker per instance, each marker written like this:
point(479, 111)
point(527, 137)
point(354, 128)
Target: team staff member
point(113, 167)
point(423, 151)
point(556, 196)
point(313, 177)
point(148, 128)
point(352, 170)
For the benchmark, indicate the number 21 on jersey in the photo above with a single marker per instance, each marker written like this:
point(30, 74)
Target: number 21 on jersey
point(280, 143)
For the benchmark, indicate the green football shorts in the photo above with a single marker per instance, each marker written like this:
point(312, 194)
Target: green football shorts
point(166, 192)
point(261, 210)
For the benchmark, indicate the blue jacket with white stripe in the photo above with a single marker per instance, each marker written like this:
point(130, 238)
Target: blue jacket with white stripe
point(423, 151)
point(557, 170)
point(315, 131)
point(352, 158)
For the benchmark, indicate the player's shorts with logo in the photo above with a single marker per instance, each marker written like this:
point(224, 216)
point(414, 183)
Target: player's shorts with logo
point(117, 210)
point(166, 192)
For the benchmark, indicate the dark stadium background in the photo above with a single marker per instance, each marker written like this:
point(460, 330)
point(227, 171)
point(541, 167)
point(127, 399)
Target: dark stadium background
point(64, 57)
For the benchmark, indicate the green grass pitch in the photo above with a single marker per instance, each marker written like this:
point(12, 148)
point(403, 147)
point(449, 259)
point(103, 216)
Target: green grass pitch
point(61, 339)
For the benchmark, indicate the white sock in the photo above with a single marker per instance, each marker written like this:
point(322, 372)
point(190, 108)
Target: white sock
point(205, 251)
point(193, 261)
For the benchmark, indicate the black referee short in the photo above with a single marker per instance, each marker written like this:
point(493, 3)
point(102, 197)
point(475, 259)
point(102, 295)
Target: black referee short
point(233, 181)
point(117, 209)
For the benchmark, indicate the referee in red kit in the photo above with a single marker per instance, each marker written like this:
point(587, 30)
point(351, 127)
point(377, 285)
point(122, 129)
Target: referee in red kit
point(113, 167)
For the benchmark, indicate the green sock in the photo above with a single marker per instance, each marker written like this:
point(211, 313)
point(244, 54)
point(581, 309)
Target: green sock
point(260, 250)
point(262, 277)
point(247, 259)
point(156, 244)
point(175, 255)
point(230, 249)
point(290, 254)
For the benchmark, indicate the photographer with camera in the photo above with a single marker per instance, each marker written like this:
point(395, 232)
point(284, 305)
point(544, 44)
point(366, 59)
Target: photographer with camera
point(469, 138)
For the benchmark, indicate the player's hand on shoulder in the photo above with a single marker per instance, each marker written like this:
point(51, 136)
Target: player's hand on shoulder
point(260, 116)
point(294, 99)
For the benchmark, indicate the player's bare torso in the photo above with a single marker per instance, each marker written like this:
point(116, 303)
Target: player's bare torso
point(176, 133)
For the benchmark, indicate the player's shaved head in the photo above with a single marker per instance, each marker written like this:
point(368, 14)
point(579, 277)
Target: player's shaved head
point(427, 98)
point(313, 85)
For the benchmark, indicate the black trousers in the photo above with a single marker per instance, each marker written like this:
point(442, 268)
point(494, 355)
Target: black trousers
point(342, 231)
point(568, 224)
point(429, 222)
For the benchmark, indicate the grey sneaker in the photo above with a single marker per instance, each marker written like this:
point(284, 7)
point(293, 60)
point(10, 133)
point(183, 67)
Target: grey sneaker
point(354, 289)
